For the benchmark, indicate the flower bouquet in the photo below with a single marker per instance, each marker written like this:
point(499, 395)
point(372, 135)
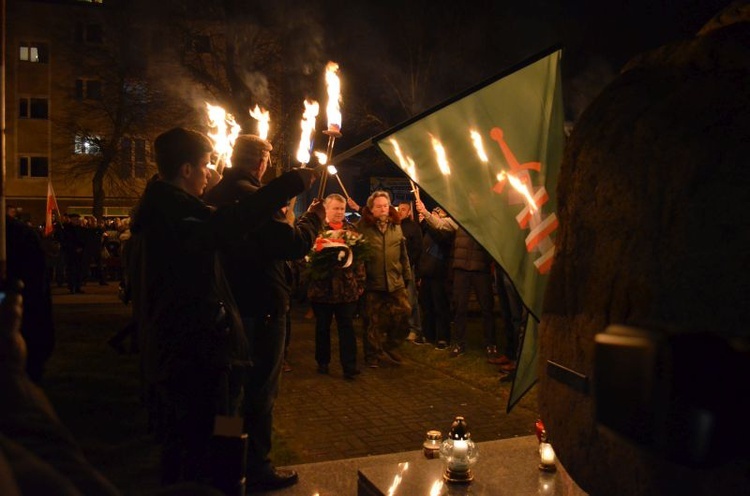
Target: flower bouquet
point(335, 249)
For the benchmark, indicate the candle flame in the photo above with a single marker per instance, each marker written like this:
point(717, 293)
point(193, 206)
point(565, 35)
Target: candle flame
point(476, 138)
point(224, 132)
point(308, 129)
point(264, 120)
point(519, 186)
point(440, 155)
point(333, 88)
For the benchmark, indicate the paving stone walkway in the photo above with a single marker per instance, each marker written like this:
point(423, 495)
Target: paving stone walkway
point(384, 410)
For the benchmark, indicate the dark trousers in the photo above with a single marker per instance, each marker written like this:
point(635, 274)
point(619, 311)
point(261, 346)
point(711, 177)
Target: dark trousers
point(481, 282)
point(74, 271)
point(433, 297)
point(344, 314)
point(267, 336)
point(191, 409)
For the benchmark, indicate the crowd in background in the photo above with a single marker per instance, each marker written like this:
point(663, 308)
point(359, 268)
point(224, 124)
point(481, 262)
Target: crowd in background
point(211, 288)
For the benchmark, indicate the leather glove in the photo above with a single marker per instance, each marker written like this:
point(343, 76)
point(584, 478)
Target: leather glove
point(317, 208)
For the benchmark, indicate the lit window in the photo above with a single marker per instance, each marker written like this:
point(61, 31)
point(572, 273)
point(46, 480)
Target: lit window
point(88, 89)
point(33, 166)
point(87, 145)
point(33, 108)
point(33, 52)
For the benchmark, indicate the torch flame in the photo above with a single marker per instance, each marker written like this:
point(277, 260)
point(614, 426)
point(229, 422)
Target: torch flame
point(322, 157)
point(308, 128)
point(332, 169)
point(333, 87)
point(440, 155)
point(264, 120)
point(224, 132)
point(476, 138)
point(520, 187)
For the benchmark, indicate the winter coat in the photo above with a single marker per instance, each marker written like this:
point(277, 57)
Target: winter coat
point(467, 253)
point(256, 264)
point(388, 267)
point(345, 285)
point(188, 317)
point(436, 251)
point(413, 234)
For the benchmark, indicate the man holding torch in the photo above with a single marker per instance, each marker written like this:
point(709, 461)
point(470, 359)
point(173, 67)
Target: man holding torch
point(192, 336)
point(259, 277)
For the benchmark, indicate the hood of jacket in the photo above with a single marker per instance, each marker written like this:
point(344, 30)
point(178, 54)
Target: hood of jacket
point(369, 219)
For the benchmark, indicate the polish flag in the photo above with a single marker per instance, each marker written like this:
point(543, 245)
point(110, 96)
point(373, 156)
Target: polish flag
point(51, 205)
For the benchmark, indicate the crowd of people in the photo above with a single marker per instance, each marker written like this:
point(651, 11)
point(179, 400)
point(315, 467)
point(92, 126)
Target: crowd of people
point(209, 269)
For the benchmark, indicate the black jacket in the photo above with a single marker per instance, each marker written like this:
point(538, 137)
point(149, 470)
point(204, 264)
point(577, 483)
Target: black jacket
point(256, 263)
point(188, 316)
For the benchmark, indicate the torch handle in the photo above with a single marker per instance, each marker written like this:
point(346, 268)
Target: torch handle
point(329, 152)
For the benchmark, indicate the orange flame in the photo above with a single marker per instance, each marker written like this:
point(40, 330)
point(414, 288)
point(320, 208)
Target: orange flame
point(224, 132)
point(333, 87)
point(264, 120)
point(308, 129)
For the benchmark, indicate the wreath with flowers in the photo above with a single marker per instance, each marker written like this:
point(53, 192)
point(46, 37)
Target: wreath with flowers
point(338, 248)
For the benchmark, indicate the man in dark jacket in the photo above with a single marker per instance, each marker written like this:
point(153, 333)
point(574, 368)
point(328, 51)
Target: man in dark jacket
point(413, 235)
point(433, 271)
point(191, 332)
point(260, 280)
point(472, 268)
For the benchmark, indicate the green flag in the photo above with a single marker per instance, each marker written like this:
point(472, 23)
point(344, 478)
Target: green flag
point(490, 157)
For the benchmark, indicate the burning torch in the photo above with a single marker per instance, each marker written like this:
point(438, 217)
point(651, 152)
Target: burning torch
point(333, 112)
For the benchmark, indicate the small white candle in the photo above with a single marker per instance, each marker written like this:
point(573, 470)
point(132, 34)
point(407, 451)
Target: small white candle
point(547, 454)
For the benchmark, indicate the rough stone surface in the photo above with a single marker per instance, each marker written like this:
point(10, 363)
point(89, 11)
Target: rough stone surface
point(654, 215)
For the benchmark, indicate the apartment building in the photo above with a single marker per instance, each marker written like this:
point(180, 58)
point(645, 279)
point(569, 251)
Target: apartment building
point(69, 87)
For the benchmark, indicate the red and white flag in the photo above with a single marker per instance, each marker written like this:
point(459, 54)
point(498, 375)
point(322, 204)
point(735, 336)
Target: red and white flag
point(51, 205)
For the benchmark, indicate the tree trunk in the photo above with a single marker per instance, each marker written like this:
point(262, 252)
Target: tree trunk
point(97, 185)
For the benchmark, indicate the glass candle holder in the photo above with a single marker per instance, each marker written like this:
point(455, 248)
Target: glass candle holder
point(431, 445)
point(459, 453)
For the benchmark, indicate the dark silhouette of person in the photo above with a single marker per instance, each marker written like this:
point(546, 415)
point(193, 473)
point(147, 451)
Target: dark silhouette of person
point(27, 262)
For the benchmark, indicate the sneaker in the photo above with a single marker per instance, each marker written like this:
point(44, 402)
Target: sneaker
point(507, 368)
point(394, 355)
point(373, 364)
point(350, 374)
point(441, 345)
point(420, 341)
point(458, 349)
point(285, 367)
point(272, 480)
point(386, 360)
point(412, 336)
point(492, 356)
